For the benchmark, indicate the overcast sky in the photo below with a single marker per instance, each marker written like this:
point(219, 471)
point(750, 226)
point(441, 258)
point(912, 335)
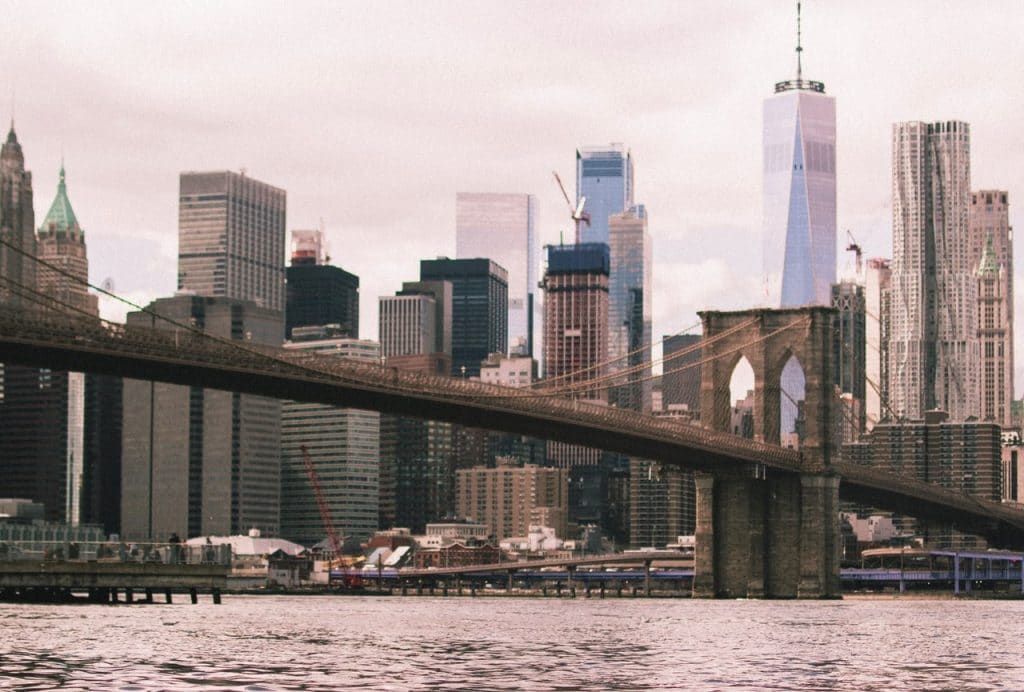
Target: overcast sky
point(373, 115)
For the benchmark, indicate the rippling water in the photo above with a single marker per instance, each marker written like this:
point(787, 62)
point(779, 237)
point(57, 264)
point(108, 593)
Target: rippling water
point(324, 642)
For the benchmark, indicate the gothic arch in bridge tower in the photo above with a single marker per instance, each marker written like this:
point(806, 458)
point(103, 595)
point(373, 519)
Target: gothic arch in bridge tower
point(768, 339)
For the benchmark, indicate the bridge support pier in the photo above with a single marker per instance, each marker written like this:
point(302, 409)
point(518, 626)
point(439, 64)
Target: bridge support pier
point(774, 537)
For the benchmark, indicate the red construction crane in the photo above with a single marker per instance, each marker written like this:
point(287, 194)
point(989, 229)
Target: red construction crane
point(575, 213)
point(349, 580)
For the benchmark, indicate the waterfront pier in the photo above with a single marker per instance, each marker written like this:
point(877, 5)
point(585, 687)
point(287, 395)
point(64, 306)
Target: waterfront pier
point(54, 577)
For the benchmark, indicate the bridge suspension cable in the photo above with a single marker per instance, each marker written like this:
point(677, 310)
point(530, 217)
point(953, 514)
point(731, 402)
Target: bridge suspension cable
point(544, 384)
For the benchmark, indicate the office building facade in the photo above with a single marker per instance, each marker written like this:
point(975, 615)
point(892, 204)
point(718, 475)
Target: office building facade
point(604, 175)
point(576, 314)
point(509, 499)
point(200, 461)
point(680, 380)
point(479, 315)
point(934, 353)
point(630, 308)
point(991, 246)
point(17, 224)
point(316, 293)
point(416, 456)
point(503, 227)
point(231, 238)
point(660, 504)
point(343, 445)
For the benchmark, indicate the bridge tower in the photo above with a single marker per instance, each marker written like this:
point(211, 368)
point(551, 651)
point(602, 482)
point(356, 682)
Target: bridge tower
point(766, 533)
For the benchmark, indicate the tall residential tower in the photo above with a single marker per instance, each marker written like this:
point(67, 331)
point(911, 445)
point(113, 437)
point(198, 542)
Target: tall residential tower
point(933, 346)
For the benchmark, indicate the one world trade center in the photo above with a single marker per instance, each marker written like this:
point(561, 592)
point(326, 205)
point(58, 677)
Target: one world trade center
point(799, 223)
point(799, 193)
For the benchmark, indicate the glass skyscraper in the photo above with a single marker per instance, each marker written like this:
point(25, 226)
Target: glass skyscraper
point(629, 307)
point(799, 222)
point(604, 175)
point(799, 195)
point(503, 227)
point(479, 315)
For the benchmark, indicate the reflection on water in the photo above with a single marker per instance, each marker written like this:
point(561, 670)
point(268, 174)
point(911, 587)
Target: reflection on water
point(288, 642)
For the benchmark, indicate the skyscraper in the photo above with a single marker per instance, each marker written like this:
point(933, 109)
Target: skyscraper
point(503, 227)
point(630, 308)
point(799, 202)
point(201, 461)
point(479, 309)
point(42, 411)
point(604, 175)
point(344, 445)
point(317, 293)
point(991, 242)
point(575, 349)
point(799, 193)
point(231, 238)
point(17, 224)
point(61, 243)
point(416, 479)
point(576, 314)
point(933, 346)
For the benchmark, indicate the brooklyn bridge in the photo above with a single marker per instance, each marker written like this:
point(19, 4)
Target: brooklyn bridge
point(767, 516)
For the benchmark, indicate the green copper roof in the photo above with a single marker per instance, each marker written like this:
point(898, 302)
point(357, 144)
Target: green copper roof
point(61, 217)
point(988, 265)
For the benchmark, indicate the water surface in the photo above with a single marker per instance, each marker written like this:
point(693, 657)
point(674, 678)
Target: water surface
point(395, 643)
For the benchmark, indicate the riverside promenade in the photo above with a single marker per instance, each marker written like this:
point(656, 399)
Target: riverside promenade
point(118, 574)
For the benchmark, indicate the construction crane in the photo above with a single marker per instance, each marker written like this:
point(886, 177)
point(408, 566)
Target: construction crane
point(575, 213)
point(854, 247)
point(349, 580)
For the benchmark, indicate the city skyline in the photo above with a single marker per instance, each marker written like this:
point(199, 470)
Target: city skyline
point(682, 86)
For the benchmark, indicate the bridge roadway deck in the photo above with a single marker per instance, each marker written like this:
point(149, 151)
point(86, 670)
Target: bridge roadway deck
point(638, 559)
point(181, 356)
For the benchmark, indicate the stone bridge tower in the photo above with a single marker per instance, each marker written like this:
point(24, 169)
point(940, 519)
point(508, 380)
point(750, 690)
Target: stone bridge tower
point(768, 533)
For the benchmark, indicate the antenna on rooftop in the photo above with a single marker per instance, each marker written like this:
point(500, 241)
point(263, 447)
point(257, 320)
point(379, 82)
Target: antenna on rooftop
point(799, 48)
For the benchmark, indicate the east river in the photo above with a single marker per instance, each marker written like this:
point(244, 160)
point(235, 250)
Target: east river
point(493, 643)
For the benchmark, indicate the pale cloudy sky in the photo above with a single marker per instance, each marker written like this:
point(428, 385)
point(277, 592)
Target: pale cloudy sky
point(373, 115)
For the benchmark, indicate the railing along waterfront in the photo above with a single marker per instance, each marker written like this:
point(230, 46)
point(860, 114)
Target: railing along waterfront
point(115, 552)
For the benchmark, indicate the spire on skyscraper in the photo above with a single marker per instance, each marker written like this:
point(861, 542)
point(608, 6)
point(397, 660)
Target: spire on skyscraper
point(799, 82)
point(61, 217)
point(799, 48)
point(10, 152)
